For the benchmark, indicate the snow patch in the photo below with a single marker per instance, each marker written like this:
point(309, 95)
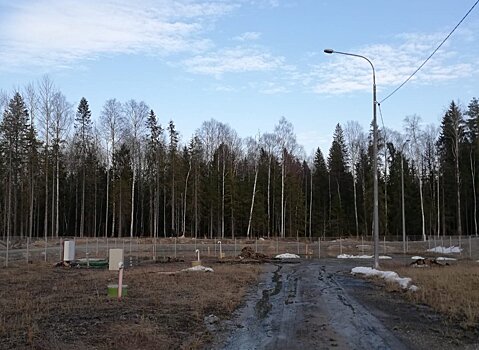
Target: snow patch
point(347, 256)
point(445, 250)
point(390, 276)
point(416, 257)
point(199, 268)
point(441, 258)
point(287, 256)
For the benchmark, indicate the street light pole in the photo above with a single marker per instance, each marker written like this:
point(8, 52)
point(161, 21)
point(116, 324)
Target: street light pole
point(402, 199)
point(375, 157)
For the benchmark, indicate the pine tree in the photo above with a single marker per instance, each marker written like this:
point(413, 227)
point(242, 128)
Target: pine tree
point(450, 139)
point(340, 182)
point(14, 148)
point(83, 140)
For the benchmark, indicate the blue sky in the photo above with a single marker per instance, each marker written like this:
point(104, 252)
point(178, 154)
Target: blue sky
point(246, 62)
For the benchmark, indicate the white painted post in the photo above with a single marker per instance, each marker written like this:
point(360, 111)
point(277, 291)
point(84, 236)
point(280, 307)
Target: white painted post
point(221, 250)
point(197, 251)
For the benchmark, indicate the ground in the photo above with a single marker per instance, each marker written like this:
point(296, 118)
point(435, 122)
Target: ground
point(305, 303)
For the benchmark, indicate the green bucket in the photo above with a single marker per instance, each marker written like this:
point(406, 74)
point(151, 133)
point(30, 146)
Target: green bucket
point(113, 290)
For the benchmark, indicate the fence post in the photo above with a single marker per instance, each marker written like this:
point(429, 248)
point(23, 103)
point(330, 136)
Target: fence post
point(28, 251)
point(319, 247)
point(470, 247)
point(6, 257)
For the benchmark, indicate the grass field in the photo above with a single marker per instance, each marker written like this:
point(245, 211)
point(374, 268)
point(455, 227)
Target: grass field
point(451, 290)
point(57, 308)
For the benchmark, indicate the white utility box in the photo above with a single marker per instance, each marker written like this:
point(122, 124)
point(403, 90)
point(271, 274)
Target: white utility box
point(115, 258)
point(69, 251)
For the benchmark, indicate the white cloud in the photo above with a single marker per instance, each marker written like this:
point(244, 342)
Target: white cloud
point(56, 32)
point(248, 36)
point(393, 62)
point(233, 60)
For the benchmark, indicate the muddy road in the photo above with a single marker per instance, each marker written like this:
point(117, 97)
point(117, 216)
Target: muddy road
point(319, 305)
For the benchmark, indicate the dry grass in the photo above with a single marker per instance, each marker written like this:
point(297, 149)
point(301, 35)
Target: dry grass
point(46, 308)
point(452, 290)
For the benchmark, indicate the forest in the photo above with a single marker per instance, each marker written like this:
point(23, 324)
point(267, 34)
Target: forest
point(125, 173)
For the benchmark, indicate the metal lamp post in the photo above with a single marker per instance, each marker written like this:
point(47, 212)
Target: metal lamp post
point(375, 157)
point(402, 199)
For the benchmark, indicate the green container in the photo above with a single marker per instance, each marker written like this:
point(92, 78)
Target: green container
point(113, 290)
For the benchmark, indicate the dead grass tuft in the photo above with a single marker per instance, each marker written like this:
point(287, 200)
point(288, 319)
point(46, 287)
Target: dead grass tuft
point(45, 308)
point(451, 290)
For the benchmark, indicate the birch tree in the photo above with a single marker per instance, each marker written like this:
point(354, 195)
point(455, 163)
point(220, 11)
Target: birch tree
point(416, 137)
point(111, 123)
point(135, 114)
point(355, 141)
point(287, 141)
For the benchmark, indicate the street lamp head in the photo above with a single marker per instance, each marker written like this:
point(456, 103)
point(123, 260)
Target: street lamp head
point(328, 51)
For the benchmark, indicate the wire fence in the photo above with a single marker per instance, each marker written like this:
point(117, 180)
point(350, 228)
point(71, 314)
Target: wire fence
point(23, 250)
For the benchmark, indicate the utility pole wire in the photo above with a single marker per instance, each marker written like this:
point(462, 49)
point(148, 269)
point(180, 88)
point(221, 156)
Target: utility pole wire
point(432, 54)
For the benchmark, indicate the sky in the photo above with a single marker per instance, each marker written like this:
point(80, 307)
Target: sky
point(247, 63)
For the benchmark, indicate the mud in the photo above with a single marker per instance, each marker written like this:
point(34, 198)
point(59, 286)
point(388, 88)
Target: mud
point(318, 304)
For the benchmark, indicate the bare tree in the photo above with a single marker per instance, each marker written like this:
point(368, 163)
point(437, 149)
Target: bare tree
point(32, 103)
point(46, 91)
point(111, 124)
point(62, 118)
point(287, 141)
point(269, 144)
point(252, 149)
point(355, 141)
point(135, 114)
point(416, 137)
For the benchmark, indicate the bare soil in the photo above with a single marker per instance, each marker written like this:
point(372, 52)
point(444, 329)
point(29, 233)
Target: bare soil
point(58, 308)
point(276, 305)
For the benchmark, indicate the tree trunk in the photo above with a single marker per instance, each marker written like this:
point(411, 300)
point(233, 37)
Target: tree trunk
point(473, 177)
point(282, 233)
point(82, 214)
point(132, 216)
point(252, 202)
point(458, 187)
point(269, 200)
point(422, 209)
point(186, 191)
point(310, 205)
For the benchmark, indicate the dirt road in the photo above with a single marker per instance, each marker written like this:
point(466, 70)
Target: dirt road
point(319, 305)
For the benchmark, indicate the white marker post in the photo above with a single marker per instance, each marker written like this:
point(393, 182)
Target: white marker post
point(197, 251)
point(221, 250)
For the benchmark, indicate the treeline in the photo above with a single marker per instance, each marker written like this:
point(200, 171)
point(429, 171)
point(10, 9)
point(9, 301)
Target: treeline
point(127, 174)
